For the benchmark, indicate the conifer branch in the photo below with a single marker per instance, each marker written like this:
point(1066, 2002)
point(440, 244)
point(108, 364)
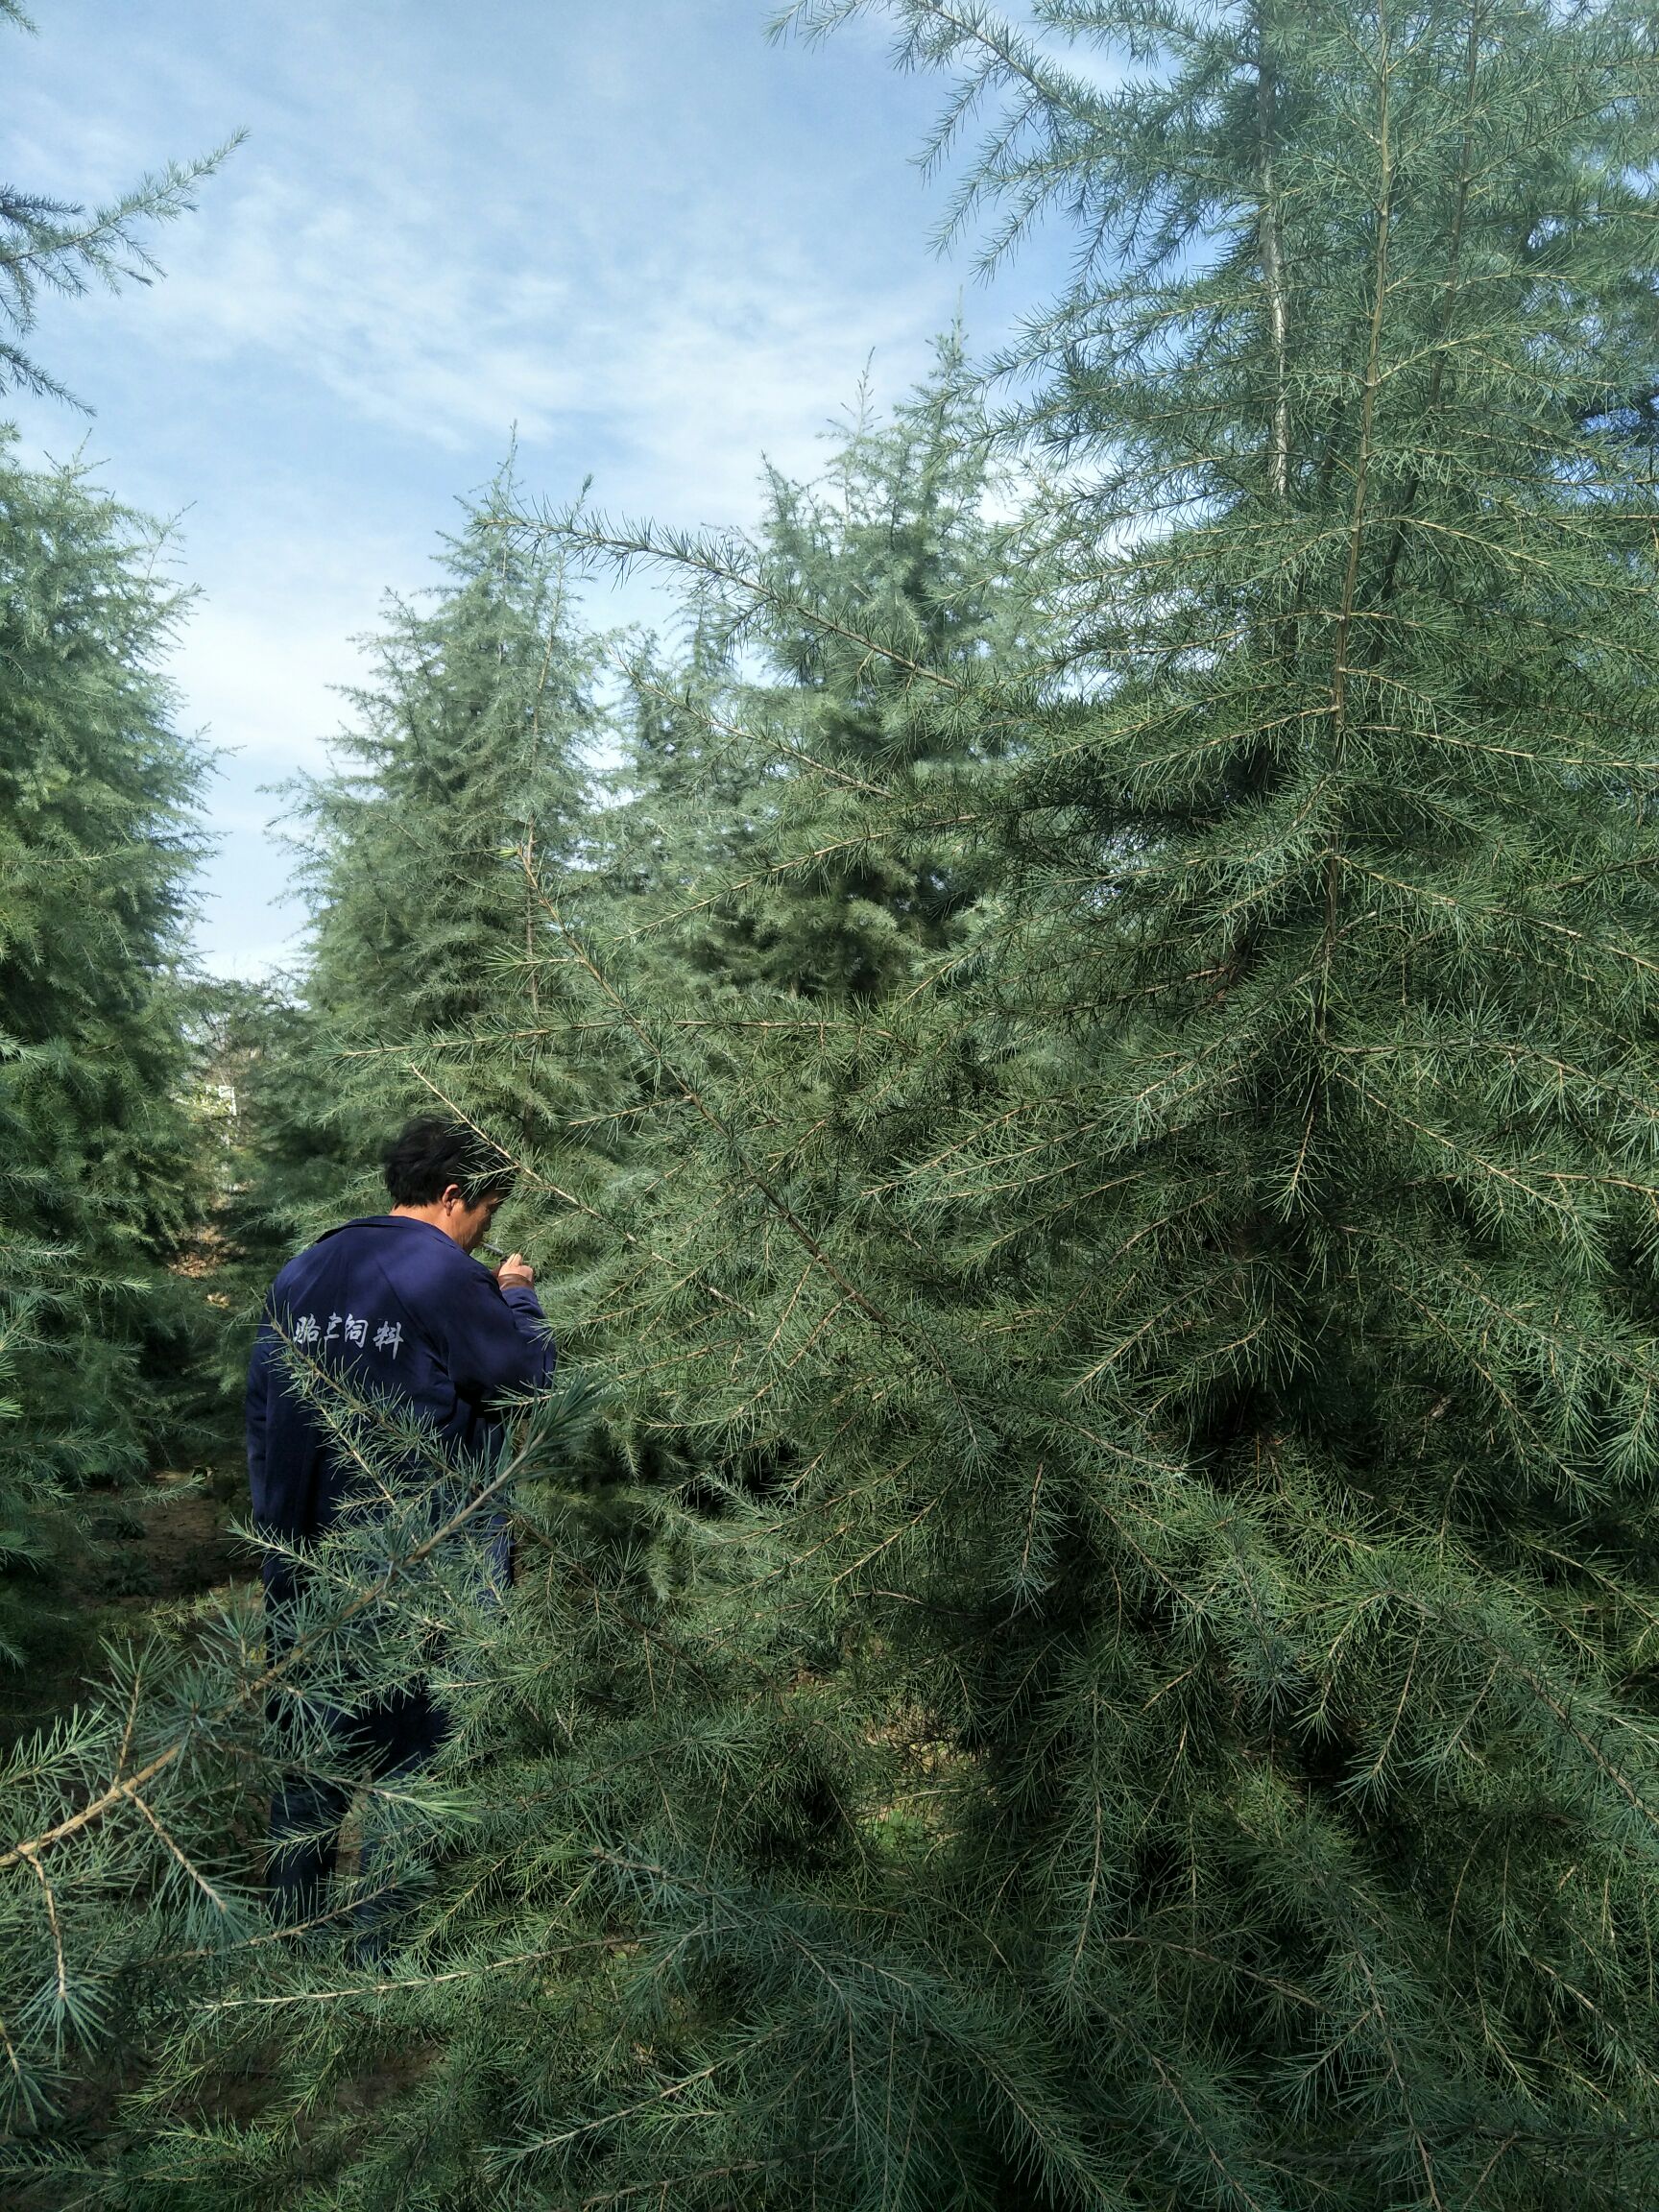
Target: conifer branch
point(676, 550)
point(565, 1197)
point(759, 1183)
point(123, 1791)
point(770, 741)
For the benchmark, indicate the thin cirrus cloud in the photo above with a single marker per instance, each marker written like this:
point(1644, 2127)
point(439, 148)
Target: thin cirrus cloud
point(670, 371)
point(648, 245)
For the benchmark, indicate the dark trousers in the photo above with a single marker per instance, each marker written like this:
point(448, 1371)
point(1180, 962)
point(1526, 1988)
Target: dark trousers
point(392, 1735)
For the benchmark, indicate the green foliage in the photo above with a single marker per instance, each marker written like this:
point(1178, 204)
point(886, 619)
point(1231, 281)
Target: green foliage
point(272, 1158)
point(464, 773)
point(96, 848)
point(105, 1945)
point(1216, 1331)
point(455, 812)
point(1108, 1658)
point(99, 1189)
point(729, 821)
point(460, 795)
point(447, 864)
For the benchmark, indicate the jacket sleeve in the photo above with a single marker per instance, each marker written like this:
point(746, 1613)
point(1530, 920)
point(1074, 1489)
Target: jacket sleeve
point(497, 1340)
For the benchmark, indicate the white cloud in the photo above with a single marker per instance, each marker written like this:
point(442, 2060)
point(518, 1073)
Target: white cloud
point(669, 368)
point(596, 223)
point(258, 679)
point(586, 270)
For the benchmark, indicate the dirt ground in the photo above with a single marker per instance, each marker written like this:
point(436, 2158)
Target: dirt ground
point(160, 1543)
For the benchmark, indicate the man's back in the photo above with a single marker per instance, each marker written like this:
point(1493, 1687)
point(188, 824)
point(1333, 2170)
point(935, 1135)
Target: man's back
point(405, 1311)
point(394, 1305)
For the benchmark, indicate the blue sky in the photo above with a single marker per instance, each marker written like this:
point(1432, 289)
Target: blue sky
point(658, 245)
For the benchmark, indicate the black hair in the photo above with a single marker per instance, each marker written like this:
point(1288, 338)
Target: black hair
point(433, 1151)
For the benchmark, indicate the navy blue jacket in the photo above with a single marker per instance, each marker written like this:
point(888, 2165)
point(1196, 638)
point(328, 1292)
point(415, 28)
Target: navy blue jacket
point(400, 1306)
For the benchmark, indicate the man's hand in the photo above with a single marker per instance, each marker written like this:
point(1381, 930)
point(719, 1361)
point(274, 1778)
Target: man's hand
point(515, 1273)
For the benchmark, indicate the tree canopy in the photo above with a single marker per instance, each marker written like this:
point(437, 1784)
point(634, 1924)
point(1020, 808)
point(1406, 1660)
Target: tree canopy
point(1083, 1057)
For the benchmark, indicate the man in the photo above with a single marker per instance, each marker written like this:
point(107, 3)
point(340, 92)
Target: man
point(397, 1306)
